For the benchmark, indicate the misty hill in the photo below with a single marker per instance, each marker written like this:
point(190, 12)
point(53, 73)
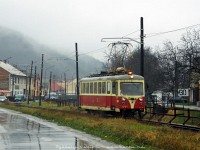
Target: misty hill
point(20, 50)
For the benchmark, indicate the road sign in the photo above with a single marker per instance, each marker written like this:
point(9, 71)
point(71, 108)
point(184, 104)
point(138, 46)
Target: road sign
point(183, 92)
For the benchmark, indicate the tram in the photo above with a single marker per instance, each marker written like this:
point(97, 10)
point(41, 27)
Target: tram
point(119, 92)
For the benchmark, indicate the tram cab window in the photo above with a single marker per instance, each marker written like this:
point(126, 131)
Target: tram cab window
point(131, 88)
point(114, 87)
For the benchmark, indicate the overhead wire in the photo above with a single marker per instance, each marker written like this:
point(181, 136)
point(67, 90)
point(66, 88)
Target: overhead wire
point(131, 33)
point(165, 32)
point(99, 49)
point(146, 36)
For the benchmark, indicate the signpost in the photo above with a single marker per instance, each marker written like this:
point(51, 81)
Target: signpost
point(183, 92)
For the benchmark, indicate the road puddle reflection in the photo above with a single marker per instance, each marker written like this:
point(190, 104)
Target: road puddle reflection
point(20, 133)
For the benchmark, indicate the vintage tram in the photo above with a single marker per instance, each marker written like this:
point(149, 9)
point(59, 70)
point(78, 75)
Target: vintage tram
point(121, 92)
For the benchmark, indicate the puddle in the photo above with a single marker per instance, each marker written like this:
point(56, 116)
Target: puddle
point(21, 133)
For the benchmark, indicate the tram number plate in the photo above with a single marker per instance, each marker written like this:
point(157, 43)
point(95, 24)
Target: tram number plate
point(183, 92)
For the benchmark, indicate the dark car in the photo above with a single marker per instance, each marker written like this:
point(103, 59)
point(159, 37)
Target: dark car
point(178, 100)
point(19, 98)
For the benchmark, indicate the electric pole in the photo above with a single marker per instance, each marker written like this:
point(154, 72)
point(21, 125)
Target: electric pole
point(29, 91)
point(35, 83)
point(65, 84)
point(142, 47)
point(77, 75)
point(41, 80)
point(50, 84)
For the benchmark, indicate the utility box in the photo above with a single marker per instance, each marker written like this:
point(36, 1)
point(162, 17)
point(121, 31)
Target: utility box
point(198, 103)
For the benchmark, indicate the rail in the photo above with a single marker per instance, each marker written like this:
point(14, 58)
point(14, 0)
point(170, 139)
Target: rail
point(173, 116)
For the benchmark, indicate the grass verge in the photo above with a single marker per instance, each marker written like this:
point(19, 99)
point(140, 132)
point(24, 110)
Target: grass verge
point(121, 131)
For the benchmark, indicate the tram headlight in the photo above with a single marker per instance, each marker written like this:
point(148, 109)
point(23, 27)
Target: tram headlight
point(140, 99)
point(123, 99)
point(130, 73)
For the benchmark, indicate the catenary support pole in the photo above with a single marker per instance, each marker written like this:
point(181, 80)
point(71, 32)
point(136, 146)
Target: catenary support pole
point(40, 97)
point(142, 47)
point(29, 89)
point(35, 76)
point(50, 84)
point(77, 74)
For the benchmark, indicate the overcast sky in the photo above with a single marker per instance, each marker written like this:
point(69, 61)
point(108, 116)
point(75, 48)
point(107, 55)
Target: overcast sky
point(61, 23)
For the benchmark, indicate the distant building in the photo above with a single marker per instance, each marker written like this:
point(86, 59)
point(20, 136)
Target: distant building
point(59, 87)
point(12, 80)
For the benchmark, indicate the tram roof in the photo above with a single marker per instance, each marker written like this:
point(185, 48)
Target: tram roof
point(114, 77)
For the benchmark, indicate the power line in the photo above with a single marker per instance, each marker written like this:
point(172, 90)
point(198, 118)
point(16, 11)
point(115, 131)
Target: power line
point(130, 33)
point(175, 30)
point(100, 49)
point(147, 36)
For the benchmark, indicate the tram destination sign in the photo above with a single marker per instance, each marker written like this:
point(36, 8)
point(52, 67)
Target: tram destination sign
point(183, 92)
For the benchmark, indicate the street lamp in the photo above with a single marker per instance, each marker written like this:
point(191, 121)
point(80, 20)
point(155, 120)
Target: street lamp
point(65, 81)
point(45, 78)
point(5, 60)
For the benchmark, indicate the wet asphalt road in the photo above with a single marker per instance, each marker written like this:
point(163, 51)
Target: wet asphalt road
point(23, 132)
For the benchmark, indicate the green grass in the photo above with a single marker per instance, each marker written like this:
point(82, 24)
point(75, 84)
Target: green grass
point(121, 131)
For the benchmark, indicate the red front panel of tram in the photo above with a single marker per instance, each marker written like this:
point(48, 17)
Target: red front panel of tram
point(104, 101)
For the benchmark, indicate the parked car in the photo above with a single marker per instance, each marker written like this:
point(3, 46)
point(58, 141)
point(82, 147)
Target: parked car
point(11, 98)
point(178, 100)
point(3, 98)
point(53, 96)
point(19, 98)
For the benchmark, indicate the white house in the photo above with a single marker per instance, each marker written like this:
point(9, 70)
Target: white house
point(12, 79)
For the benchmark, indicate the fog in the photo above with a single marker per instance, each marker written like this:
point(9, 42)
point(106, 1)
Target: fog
point(61, 23)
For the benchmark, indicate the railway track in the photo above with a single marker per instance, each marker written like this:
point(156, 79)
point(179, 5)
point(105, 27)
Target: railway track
point(173, 125)
point(155, 115)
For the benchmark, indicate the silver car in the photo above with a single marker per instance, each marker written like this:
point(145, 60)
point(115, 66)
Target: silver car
point(3, 98)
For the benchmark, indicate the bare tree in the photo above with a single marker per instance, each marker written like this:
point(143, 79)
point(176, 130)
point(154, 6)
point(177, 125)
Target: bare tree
point(169, 60)
point(181, 63)
point(190, 50)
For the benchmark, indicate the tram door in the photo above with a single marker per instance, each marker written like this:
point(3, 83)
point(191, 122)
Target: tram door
point(114, 94)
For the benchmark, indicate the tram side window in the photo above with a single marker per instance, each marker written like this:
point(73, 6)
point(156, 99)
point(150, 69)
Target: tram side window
point(114, 87)
point(95, 87)
point(91, 87)
point(108, 87)
point(103, 87)
point(83, 88)
point(87, 88)
point(99, 87)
